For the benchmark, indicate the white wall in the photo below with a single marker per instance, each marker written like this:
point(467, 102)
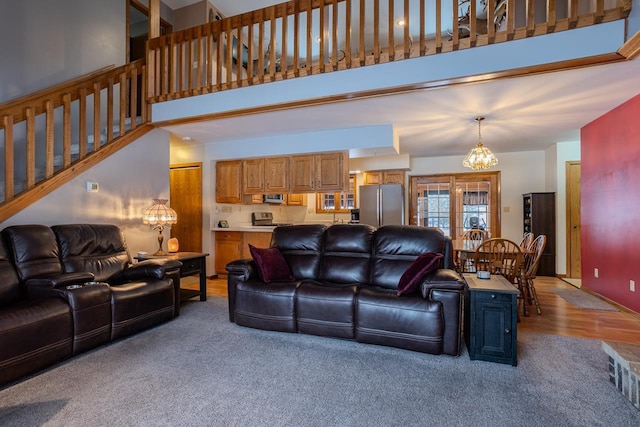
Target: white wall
point(129, 180)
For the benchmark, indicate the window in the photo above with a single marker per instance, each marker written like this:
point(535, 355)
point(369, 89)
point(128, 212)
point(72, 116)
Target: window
point(341, 202)
point(456, 203)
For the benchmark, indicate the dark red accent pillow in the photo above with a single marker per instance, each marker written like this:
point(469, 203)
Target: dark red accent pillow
point(423, 265)
point(272, 266)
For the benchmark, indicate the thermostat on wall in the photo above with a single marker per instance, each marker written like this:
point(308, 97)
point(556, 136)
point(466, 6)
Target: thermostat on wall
point(92, 187)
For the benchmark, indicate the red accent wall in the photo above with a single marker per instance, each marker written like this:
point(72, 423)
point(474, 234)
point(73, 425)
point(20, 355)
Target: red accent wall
point(610, 204)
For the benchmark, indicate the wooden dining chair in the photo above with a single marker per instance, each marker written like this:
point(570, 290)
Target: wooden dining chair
point(466, 263)
point(500, 256)
point(527, 238)
point(530, 269)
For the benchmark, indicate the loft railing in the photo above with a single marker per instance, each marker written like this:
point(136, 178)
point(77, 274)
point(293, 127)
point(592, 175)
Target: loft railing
point(53, 134)
point(306, 37)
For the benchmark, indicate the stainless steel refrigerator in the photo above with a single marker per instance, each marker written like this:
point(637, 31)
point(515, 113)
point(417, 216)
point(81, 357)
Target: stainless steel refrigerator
point(382, 204)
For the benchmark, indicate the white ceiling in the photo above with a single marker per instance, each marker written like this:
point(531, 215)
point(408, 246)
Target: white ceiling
point(522, 114)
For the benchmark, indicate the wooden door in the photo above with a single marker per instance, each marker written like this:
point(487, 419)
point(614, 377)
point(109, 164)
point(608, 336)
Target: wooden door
point(574, 260)
point(185, 186)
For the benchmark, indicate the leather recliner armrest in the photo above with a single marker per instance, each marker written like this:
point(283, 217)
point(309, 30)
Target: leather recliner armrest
point(442, 279)
point(60, 280)
point(155, 268)
point(244, 268)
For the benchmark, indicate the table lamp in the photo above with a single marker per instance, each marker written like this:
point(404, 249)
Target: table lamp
point(159, 216)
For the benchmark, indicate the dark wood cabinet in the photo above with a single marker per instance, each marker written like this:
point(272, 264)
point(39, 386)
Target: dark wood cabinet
point(491, 319)
point(539, 211)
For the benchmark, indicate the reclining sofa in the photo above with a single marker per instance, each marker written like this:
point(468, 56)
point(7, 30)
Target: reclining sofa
point(70, 288)
point(345, 284)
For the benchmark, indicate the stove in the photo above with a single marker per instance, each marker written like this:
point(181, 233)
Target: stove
point(264, 219)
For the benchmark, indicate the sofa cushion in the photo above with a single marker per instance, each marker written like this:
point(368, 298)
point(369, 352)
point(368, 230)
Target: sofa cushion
point(301, 246)
point(34, 250)
point(269, 306)
point(410, 322)
point(326, 309)
point(272, 267)
point(423, 265)
point(97, 248)
point(11, 290)
point(347, 253)
point(396, 247)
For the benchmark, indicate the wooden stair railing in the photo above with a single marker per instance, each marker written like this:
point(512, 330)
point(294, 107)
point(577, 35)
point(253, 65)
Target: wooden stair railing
point(52, 135)
point(305, 37)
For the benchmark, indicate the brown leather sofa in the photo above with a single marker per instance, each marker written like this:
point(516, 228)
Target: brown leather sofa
point(49, 312)
point(346, 282)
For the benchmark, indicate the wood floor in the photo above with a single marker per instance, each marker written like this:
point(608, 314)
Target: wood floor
point(558, 316)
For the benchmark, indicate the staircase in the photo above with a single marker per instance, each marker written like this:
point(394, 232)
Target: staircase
point(52, 135)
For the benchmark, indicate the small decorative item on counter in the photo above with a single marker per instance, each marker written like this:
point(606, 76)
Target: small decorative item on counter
point(484, 275)
point(172, 245)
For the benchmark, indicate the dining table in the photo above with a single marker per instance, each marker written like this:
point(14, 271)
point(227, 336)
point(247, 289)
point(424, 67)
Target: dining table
point(465, 250)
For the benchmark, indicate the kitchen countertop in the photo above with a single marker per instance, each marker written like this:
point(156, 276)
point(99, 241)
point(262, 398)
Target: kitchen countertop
point(247, 228)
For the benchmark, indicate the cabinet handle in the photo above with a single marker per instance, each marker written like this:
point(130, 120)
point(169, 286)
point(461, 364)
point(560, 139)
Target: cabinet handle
point(507, 331)
point(493, 296)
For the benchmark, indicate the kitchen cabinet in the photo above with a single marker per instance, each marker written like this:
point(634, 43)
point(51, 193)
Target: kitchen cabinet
point(268, 175)
point(325, 172)
point(229, 181)
point(539, 217)
point(228, 248)
point(384, 177)
point(233, 245)
point(253, 176)
point(276, 175)
point(295, 199)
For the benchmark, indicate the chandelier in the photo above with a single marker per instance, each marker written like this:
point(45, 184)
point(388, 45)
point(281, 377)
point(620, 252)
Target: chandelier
point(480, 157)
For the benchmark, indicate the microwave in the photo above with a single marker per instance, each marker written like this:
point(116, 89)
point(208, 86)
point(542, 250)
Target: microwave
point(273, 198)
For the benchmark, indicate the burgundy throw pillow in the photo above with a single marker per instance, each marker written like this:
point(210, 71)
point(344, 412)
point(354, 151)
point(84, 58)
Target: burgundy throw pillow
point(272, 266)
point(423, 265)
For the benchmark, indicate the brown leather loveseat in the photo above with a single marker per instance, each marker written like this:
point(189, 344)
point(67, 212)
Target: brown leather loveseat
point(345, 284)
point(49, 311)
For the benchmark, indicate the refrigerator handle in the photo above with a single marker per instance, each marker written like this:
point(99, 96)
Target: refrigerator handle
point(379, 214)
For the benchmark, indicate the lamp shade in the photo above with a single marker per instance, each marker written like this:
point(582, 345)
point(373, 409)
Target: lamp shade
point(159, 215)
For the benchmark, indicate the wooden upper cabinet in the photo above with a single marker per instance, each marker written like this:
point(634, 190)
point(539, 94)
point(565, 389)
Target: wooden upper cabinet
point(384, 177)
point(276, 175)
point(229, 181)
point(326, 172)
point(253, 181)
point(393, 177)
point(332, 171)
point(302, 173)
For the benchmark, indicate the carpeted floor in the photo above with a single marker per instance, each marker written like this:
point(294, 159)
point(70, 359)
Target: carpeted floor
point(582, 299)
point(201, 370)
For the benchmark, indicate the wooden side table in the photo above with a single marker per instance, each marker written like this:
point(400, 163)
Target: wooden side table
point(192, 263)
point(491, 319)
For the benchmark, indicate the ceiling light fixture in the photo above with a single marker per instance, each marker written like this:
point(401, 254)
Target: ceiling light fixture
point(480, 157)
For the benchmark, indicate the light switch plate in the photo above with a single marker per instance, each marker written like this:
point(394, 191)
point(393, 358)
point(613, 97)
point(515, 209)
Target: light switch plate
point(92, 187)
